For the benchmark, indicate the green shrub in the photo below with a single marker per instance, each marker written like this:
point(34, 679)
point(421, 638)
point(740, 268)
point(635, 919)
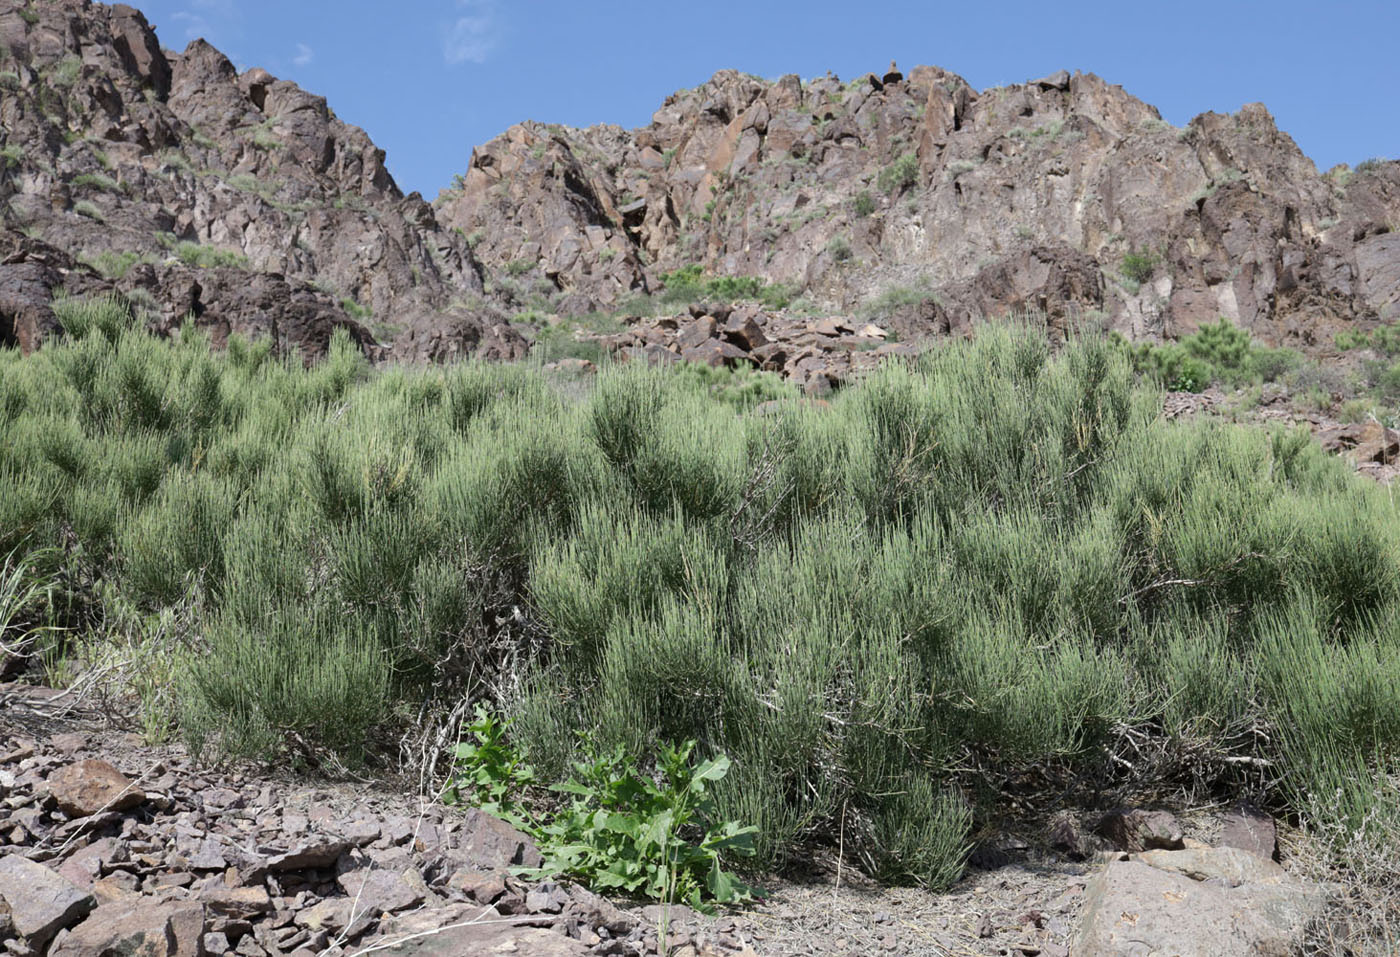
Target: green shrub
point(1217, 353)
point(356, 311)
point(839, 249)
point(108, 316)
point(112, 264)
point(208, 257)
point(1384, 340)
point(888, 610)
point(99, 181)
point(864, 203)
point(1138, 267)
point(623, 831)
point(899, 175)
point(89, 209)
point(67, 71)
point(740, 386)
point(688, 284)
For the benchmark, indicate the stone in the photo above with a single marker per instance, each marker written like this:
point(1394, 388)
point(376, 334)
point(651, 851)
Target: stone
point(85, 865)
point(41, 901)
point(361, 831)
point(116, 886)
point(1230, 865)
point(1249, 830)
point(87, 787)
point(1067, 836)
point(315, 853)
point(383, 890)
point(488, 843)
point(484, 887)
point(547, 898)
point(697, 332)
point(1137, 830)
point(1133, 909)
point(238, 903)
point(716, 353)
point(338, 915)
point(137, 928)
point(480, 940)
point(744, 333)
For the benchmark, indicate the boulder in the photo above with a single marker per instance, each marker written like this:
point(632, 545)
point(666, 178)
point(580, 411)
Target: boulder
point(41, 901)
point(1149, 905)
point(137, 928)
point(314, 853)
point(488, 843)
point(480, 939)
point(1139, 830)
point(380, 890)
point(87, 787)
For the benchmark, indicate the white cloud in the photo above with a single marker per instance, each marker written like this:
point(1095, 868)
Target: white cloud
point(304, 55)
point(205, 17)
point(195, 25)
point(473, 34)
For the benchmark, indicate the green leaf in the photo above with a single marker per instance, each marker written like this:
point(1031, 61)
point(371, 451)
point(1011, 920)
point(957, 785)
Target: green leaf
point(713, 769)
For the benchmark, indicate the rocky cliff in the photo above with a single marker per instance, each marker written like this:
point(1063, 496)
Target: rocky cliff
point(922, 197)
point(238, 198)
point(908, 199)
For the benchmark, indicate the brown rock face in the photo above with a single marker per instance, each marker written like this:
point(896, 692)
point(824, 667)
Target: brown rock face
point(1250, 830)
point(1065, 195)
point(149, 166)
point(89, 787)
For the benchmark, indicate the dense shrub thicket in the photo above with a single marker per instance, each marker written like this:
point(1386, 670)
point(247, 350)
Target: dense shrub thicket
point(1219, 353)
point(885, 610)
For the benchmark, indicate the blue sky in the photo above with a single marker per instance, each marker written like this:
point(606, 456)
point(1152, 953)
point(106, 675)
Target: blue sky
point(429, 79)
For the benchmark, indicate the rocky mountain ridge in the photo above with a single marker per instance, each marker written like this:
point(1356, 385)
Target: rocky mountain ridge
point(1064, 195)
point(912, 200)
point(172, 178)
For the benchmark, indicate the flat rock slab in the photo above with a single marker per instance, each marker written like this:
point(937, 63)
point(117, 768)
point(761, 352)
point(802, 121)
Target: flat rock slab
point(490, 937)
point(1136, 909)
point(1228, 864)
point(136, 928)
point(84, 788)
point(41, 901)
point(314, 853)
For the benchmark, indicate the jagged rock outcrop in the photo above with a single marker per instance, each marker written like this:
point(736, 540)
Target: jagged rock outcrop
point(150, 167)
point(294, 315)
point(1065, 195)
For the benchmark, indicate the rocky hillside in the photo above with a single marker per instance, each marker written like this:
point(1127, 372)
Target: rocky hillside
point(193, 188)
point(911, 200)
point(916, 199)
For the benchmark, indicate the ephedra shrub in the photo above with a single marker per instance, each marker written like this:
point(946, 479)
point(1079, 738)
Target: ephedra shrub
point(988, 565)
